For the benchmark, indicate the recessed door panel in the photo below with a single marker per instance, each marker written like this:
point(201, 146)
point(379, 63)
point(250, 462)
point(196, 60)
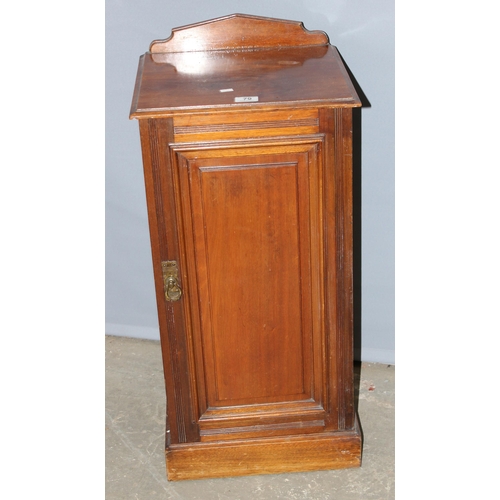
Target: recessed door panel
point(252, 217)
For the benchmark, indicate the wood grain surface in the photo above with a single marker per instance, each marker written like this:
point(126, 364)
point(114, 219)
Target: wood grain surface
point(264, 456)
point(238, 32)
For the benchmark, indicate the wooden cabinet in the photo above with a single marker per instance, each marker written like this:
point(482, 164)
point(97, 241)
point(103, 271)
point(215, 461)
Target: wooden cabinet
point(245, 127)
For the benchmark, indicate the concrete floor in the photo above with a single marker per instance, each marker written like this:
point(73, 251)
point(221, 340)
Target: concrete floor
point(135, 427)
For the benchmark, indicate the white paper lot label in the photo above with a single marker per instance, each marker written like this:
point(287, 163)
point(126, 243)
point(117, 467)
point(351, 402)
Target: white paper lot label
point(247, 98)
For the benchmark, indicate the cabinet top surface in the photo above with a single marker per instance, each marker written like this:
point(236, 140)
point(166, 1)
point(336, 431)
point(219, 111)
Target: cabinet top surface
point(173, 77)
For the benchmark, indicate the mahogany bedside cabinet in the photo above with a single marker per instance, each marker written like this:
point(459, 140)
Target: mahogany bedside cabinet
point(246, 134)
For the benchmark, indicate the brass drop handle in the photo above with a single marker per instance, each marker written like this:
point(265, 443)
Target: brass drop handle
point(171, 285)
point(173, 291)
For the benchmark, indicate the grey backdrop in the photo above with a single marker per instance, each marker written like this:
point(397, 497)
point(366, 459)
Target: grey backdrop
point(363, 31)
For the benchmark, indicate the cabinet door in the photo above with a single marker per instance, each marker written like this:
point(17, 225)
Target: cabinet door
point(252, 253)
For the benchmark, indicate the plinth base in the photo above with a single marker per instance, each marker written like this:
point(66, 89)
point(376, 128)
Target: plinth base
point(334, 450)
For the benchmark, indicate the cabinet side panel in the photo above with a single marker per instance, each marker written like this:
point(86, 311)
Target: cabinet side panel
point(327, 127)
point(344, 260)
